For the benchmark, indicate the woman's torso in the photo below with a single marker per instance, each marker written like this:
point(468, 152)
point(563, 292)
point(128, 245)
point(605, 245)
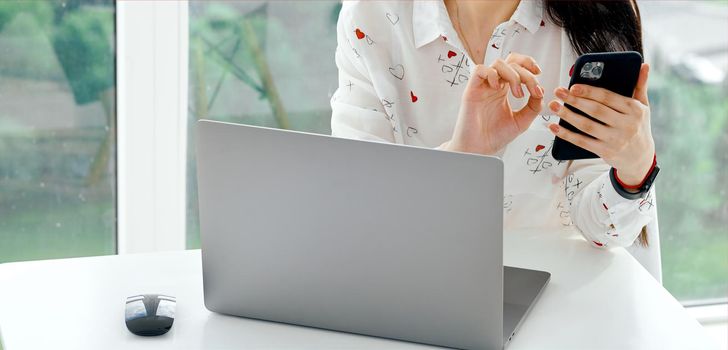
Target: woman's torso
point(419, 69)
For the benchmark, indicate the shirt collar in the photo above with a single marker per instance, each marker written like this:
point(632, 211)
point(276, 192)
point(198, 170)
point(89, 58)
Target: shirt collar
point(431, 20)
point(529, 14)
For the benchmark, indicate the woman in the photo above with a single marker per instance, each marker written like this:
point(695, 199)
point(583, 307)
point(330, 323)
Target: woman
point(474, 76)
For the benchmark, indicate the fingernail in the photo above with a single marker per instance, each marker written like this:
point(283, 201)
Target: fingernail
point(560, 93)
point(555, 106)
point(520, 92)
point(576, 90)
point(538, 68)
point(554, 128)
point(539, 91)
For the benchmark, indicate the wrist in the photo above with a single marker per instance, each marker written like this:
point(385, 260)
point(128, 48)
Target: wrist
point(455, 146)
point(633, 173)
point(632, 181)
point(629, 181)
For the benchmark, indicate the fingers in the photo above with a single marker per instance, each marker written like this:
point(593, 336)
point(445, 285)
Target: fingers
point(595, 109)
point(530, 80)
point(590, 144)
point(586, 125)
point(608, 98)
point(525, 116)
point(507, 73)
point(516, 70)
point(494, 80)
point(486, 75)
point(524, 61)
point(640, 91)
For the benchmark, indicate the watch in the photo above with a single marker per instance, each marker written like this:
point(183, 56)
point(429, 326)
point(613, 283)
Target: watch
point(642, 189)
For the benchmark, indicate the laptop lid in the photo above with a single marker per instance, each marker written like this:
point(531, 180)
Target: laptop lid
point(370, 238)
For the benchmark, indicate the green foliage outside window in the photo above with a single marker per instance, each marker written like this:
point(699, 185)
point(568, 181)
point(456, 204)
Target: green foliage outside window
point(690, 126)
point(87, 65)
point(57, 156)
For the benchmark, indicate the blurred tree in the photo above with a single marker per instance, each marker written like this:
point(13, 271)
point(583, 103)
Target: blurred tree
point(237, 44)
point(84, 48)
point(41, 10)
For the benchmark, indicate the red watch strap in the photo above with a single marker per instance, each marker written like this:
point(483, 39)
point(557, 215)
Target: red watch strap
point(636, 187)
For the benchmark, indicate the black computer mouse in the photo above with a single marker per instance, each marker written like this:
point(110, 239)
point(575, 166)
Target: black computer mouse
point(150, 314)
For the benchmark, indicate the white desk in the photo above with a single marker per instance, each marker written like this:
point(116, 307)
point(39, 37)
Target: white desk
point(596, 300)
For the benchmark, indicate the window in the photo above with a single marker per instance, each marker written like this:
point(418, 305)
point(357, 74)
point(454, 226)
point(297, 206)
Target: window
point(690, 122)
point(239, 48)
point(57, 129)
point(261, 63)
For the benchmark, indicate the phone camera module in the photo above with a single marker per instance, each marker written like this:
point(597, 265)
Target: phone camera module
point(592, 70)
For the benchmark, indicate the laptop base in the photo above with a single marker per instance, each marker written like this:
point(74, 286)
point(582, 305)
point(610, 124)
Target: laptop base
point(521, 288)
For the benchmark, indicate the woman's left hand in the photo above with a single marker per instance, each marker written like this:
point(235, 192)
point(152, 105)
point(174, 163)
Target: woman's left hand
point(624, 141)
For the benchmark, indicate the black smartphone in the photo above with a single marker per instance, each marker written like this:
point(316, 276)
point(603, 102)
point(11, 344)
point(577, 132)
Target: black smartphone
point(614, 71)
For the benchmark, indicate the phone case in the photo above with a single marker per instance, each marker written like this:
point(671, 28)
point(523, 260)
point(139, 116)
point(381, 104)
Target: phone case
point(619, 74)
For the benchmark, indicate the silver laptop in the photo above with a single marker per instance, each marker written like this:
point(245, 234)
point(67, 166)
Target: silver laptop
point(370, 238)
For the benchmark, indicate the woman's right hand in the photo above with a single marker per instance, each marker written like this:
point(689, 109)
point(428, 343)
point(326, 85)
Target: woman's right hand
point(486, 123)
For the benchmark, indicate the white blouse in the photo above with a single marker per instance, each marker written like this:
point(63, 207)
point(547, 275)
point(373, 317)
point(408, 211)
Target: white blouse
point(402, 71)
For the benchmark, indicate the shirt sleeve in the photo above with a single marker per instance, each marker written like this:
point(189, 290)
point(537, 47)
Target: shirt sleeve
point(357, 112)
point(604, 217)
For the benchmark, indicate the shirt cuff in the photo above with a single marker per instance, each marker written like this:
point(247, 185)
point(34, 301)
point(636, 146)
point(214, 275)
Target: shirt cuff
point(625, 216)
point(610, 197)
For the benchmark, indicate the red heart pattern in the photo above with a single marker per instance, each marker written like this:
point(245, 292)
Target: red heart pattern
point(413, 97)
point(543, 24)
point(598, 243)
point(359, 34)
point(493, 46)
point(540, 147)
point(451, 54)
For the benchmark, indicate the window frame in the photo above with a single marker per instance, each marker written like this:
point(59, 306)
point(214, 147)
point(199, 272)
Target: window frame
point(152, 42)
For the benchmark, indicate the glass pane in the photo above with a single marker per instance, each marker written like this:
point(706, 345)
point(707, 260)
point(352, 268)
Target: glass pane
point(57, 148)
point(690, 124)
point(259, 63)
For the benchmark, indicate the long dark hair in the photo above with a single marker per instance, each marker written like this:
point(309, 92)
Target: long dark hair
point(600, 26)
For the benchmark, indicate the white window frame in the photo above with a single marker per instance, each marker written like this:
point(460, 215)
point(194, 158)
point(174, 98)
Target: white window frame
point(713, 313)
point(152, 71)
